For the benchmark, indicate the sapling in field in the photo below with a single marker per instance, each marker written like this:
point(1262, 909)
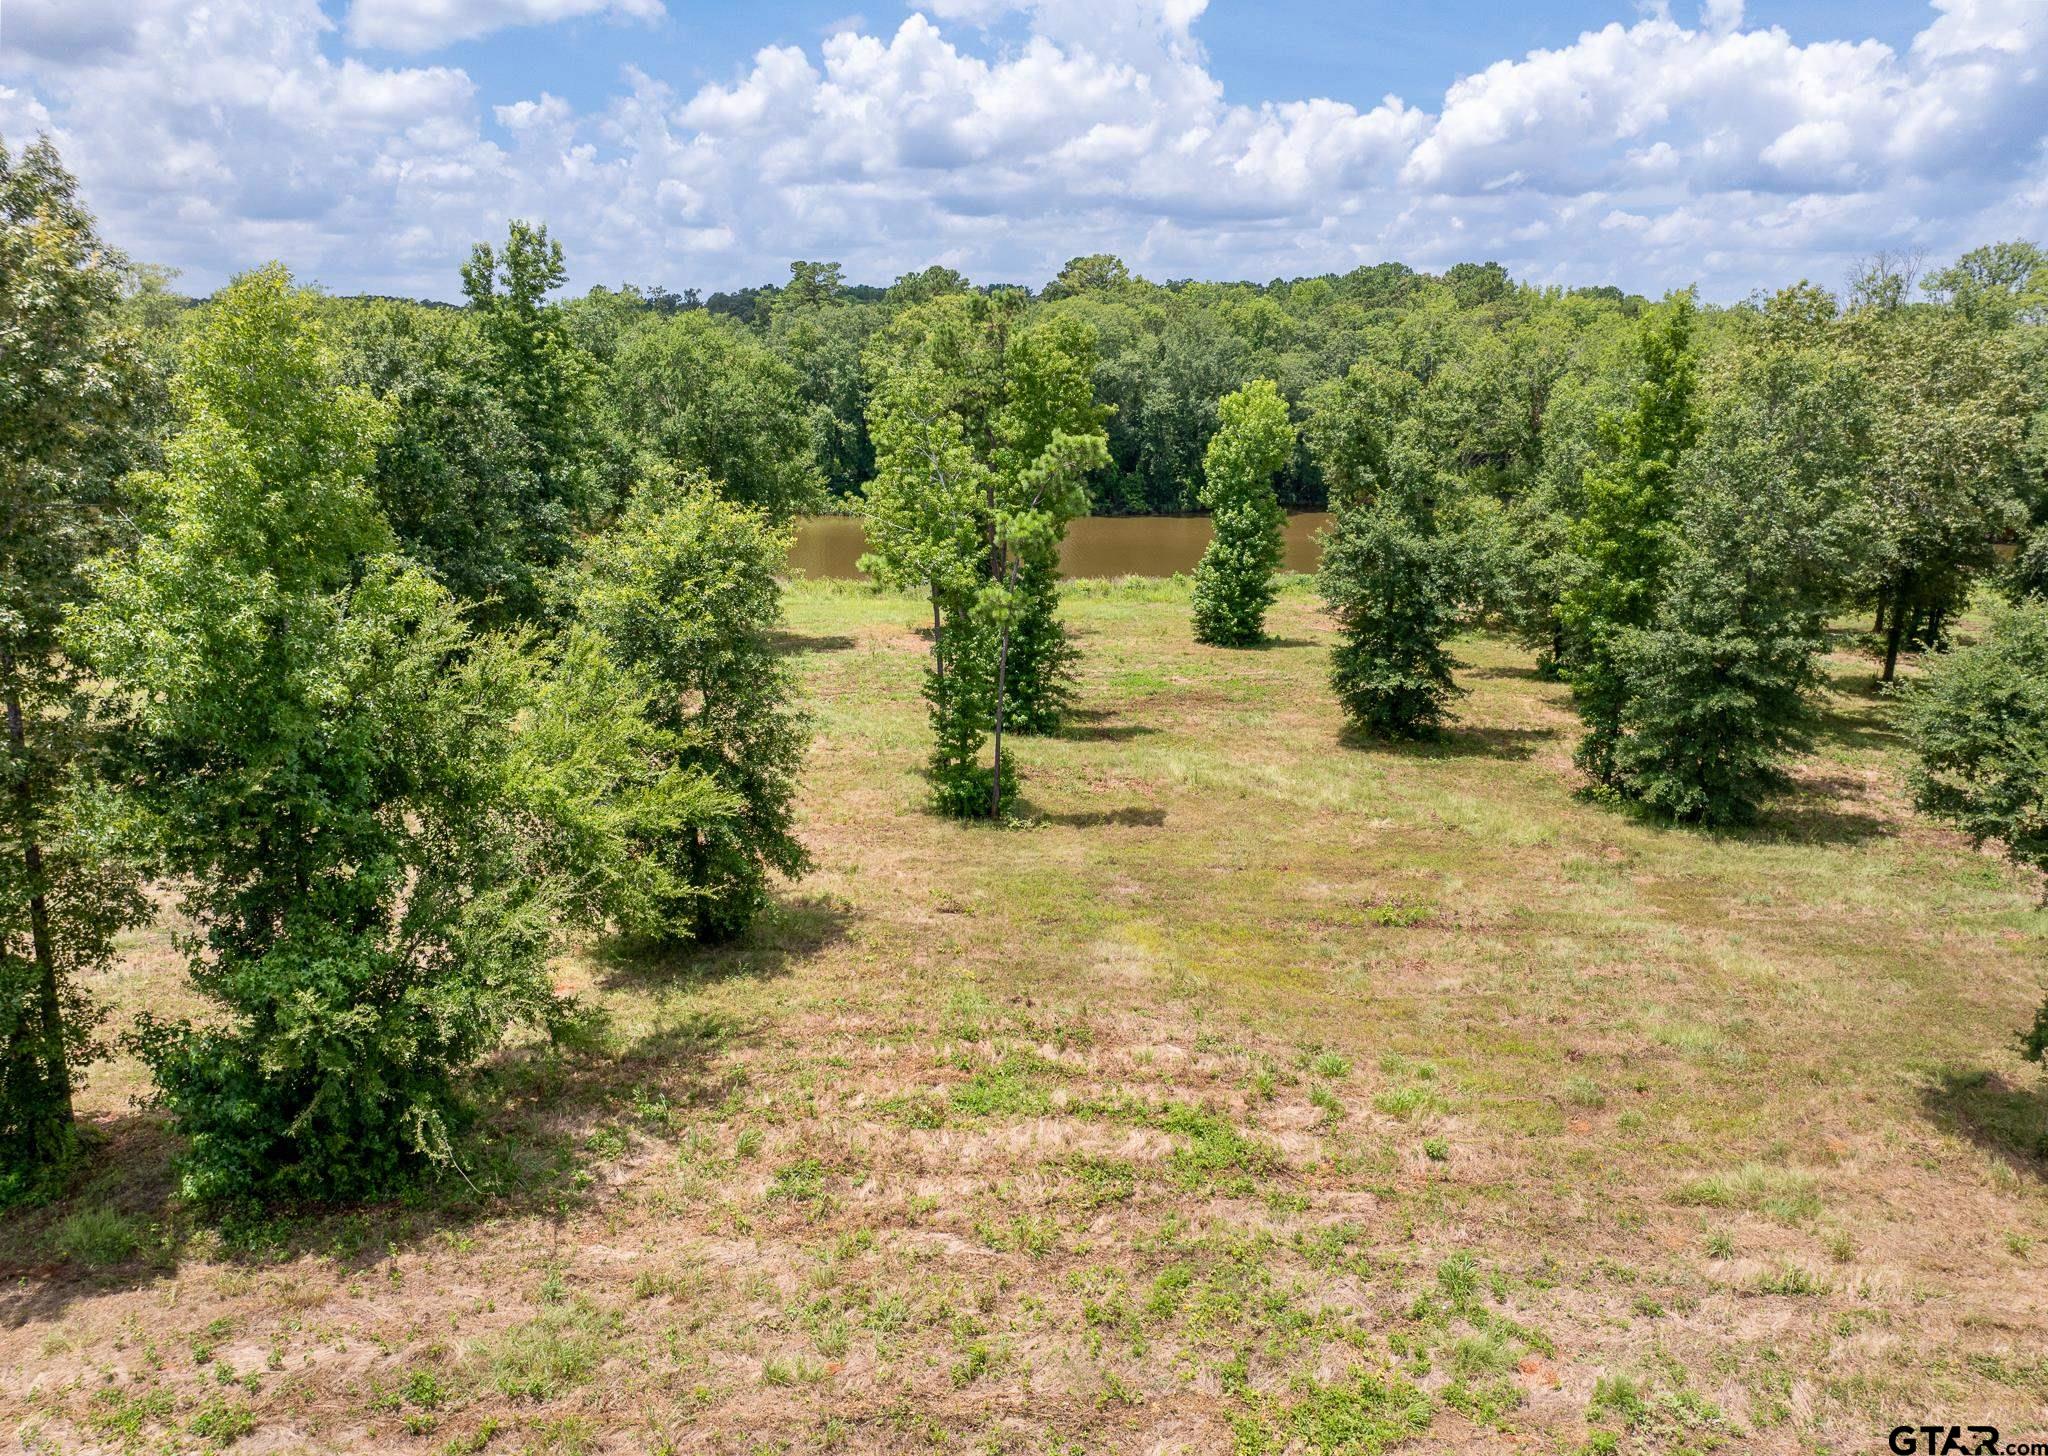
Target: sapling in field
point(1234, 579)
point(984, 438)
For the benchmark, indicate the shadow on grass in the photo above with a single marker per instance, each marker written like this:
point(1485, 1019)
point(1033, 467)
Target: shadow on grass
point(1516, 674)
point(1816, 820)
point(1099, 725)
point(1861, 723)
point(793, 642)
point(1820, 809)
point(1457, 741)
point(1130, 817)
point(549, 1117)
point(789, 931)
point(1105, 732)
point(2006, 1121)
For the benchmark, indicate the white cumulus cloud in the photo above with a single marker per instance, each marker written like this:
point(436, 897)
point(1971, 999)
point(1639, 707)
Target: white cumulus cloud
point(422, 25)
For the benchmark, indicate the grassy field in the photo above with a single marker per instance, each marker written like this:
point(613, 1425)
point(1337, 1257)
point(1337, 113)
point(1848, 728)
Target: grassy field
point(1263, 1093)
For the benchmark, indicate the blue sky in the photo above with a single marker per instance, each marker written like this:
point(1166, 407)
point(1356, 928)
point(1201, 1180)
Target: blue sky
point(367, 142)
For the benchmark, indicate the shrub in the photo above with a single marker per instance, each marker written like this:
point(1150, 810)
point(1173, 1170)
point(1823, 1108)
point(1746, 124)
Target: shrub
point(1978, 718)
point(1718, 693)
point(97, 1237)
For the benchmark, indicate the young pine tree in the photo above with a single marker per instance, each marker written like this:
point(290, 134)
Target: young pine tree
point(67, 378)
point(682, 592)
point(1234, 580)
point(320, 758)
point(1392, 578)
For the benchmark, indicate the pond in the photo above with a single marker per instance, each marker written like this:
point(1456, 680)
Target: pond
point(828, 546)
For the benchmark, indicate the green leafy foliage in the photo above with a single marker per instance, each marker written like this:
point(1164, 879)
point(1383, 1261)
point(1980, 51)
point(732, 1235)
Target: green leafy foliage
point(984, 438)
point(1625, 536)
point(1941, 463)
point(1715, 693)
point(318, 756)
point(1234, 580)
point(1392, 582)
point(697, 394)
point(1718, 693)
point(1391, 577)
point(1979, 723)
point(613, 791)
point(682, 593)
point(549, 386)
point(454, 475)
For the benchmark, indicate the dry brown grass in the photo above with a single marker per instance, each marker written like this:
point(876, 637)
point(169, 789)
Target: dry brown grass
point(1261, 1094)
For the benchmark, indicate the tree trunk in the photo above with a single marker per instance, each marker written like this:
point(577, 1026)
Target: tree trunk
point(703, 929)
point(56, 1111)
point(1878, 625)
point(1891, 641)
point(995, 796)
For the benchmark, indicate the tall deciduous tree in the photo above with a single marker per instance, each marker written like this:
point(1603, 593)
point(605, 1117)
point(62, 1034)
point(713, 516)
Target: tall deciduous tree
point(321, 760)
point(67, 377)
point(1998, 285)
point(1942, 467)
point(548, 383)
point(1234, 579)
point(1091, 273)
point(454, 475)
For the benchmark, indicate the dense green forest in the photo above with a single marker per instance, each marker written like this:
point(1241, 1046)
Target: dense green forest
point(403, 637)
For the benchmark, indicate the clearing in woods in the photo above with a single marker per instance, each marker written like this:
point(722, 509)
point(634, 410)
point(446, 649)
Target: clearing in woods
point(1266, 1093)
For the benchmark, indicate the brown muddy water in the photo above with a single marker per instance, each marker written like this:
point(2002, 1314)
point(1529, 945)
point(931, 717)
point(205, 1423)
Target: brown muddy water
point(828, 546)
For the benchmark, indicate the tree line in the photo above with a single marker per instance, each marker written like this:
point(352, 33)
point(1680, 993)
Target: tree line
point(393, 642)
